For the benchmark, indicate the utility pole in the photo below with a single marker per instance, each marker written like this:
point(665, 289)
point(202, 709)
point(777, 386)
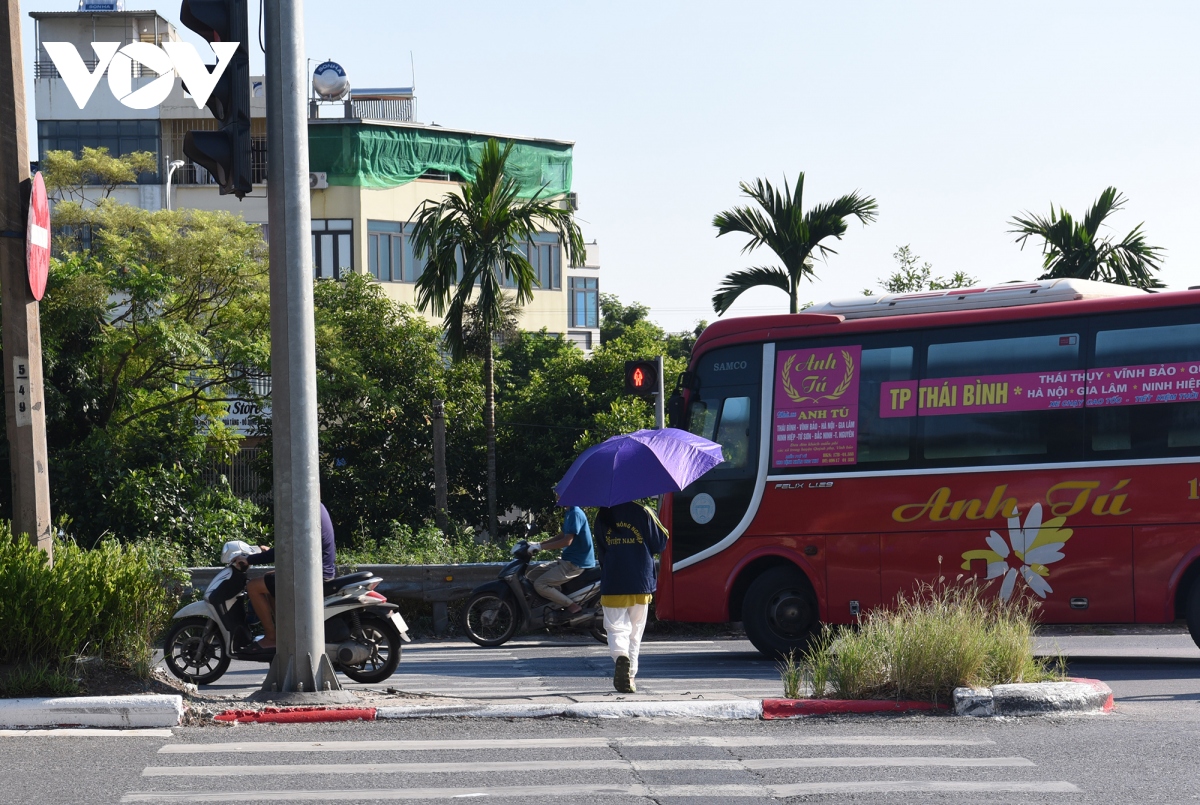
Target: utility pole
point(22, 334)
point(659, 412)
point(439, 464)
point(300, 669)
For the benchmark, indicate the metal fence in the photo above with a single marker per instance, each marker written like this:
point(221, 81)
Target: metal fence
point(243, 477)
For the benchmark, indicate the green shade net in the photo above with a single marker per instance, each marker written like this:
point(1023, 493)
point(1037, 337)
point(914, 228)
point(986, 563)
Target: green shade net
point(365, 155)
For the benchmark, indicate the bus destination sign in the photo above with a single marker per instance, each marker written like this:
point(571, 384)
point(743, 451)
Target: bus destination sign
point(816, 407)
point(1043, 391)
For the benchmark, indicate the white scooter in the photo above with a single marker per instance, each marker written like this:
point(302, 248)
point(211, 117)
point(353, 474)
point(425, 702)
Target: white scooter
point(363, 632)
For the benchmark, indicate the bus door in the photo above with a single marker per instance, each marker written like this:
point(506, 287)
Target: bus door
point(726, 408)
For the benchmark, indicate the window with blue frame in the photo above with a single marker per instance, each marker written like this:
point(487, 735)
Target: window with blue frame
point(585, 301)
point(390, 252)
point(545, 257)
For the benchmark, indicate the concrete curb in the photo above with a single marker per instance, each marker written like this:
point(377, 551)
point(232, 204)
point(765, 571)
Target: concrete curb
point(151, 710)
point(732, 709)
point(799, 708)
point(1033, 699)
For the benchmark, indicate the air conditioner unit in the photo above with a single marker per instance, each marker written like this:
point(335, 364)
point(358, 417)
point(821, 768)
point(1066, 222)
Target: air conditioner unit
point(318, 180)
point(571, 202)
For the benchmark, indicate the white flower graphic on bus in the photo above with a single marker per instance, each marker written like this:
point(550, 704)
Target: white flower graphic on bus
point(1027, 552)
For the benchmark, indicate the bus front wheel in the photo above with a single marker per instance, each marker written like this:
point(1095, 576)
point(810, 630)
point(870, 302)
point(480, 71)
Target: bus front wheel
point(779, 612)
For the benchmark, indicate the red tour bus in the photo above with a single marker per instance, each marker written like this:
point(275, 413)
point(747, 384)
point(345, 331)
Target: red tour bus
point(1042, 435)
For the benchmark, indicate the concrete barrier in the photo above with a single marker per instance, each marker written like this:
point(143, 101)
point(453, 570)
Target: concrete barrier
point(436, 584)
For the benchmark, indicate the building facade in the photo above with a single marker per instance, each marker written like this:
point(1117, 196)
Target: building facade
point(371, 167)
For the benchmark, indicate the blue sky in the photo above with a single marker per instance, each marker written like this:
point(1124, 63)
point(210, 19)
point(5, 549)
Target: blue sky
point(955, 116)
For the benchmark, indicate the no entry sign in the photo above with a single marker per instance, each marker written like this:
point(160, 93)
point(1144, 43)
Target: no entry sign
point(37, 238)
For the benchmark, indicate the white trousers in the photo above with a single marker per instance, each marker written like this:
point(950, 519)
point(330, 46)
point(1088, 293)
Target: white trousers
point(625, 626)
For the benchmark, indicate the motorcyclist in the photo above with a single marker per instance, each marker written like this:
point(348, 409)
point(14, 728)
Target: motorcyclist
point(578, 555)
point(262, 589)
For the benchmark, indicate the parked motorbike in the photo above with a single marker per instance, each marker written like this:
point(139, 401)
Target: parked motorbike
point(363, 632)
point(499, 609)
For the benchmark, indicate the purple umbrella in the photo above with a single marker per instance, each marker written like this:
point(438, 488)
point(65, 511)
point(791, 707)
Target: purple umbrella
point(637, 465)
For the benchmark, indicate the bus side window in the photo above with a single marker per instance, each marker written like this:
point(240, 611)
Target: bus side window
point(733, 434)
point(1151, 429)
point(879, 438)
point(1038, 435)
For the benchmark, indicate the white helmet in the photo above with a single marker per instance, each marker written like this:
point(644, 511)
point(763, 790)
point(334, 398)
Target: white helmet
point(232, 550)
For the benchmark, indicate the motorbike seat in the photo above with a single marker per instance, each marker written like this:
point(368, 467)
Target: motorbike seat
point(342, 582)
point(589, 576)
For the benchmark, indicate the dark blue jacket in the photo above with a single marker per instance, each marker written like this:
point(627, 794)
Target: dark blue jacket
point(626, 542)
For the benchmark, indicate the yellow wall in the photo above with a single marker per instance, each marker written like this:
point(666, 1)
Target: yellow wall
point(548, 308)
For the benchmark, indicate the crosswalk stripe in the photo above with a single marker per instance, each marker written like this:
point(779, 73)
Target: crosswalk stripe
point(580, 765)
point(532, 743)
point(89, 732)
point(922, 787)
point(864, 762)
point(577, 790)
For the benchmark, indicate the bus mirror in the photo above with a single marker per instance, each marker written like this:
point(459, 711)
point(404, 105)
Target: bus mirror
point(675, 410)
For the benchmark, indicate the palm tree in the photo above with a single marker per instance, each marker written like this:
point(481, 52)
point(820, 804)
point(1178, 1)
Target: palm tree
point(484, 229)
point(1073, 248)
point(789, 232)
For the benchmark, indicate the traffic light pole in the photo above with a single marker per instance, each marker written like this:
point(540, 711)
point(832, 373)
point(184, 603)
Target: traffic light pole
point(22, 335)
point(659, 397)
point(300, 668)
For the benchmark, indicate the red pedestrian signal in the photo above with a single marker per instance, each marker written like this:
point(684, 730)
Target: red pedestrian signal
point(641, 378)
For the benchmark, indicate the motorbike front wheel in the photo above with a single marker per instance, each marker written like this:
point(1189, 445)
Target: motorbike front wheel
point(490, 619)
point(383, 638)
point(195, 652)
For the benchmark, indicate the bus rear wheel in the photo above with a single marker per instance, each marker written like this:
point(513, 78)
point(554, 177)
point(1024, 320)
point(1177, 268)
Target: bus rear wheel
point(779, 612)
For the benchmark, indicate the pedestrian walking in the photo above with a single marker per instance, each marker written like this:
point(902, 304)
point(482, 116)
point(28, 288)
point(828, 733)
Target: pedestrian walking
point(628, 535)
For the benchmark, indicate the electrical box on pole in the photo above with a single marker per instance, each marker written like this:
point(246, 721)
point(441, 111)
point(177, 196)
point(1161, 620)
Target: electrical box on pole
point(225, 153)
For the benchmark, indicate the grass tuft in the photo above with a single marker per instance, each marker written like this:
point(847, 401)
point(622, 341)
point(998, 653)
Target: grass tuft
point(926, 645)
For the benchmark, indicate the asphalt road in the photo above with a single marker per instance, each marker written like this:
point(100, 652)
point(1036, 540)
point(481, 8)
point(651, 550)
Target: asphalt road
point(1144, 752)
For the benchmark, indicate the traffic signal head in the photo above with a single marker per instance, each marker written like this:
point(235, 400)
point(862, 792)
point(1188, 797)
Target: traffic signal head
point(641, 377)
point(224, 153)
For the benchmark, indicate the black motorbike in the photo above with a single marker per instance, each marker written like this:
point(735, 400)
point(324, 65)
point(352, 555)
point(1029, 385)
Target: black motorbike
point(499, 609)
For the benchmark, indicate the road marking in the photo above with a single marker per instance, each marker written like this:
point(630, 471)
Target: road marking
point(923, 787)
point(575, 791)
point(531, 743)
point(589, 765)
point(570, 792)
point(381, 768)
point(88, 732)
point(845, 762)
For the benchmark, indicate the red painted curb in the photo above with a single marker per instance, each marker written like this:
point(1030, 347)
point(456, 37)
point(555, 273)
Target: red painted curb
point(1100, 687)
point(793, 708)
point(297, 715)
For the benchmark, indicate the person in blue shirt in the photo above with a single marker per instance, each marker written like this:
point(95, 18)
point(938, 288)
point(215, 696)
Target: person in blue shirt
point(576, 541)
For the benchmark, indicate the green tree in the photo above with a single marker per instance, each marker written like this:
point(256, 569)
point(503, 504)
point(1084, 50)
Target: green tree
point(146, 338)
point(1076, 249)
point(615, 316)
point(378, 372)
point(554, 403)
point(795, 236)
point(67, 176)
point(473, 244)
point(911, 278)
